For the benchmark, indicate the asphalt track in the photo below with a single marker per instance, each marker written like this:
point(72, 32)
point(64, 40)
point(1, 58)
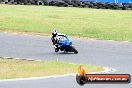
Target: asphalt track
point(113, 54)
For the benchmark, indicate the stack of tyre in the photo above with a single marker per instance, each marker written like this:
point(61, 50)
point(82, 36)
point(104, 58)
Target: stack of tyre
point(58, 3)
point(97, 5)
point(72, 3)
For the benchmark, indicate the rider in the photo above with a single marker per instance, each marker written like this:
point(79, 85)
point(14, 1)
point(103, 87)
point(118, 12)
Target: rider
point(55, 39)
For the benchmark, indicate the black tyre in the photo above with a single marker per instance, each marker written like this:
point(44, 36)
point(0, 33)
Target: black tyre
point(81, 80)
point(56, 49)
point(40, 2)
point(74, 50)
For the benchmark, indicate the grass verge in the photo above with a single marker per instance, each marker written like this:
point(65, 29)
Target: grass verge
point(82, 22)
point(11, 68)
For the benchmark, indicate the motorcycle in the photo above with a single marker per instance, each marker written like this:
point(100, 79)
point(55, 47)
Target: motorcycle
point(64, 44)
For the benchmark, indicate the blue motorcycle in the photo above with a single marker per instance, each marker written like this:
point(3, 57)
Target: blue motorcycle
point(63, 43)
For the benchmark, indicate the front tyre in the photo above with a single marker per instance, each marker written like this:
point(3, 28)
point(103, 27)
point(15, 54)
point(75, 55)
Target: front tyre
point(74, 50)
point(56, 49)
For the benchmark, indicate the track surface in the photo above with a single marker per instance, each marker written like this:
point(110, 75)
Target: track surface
point(113, 54)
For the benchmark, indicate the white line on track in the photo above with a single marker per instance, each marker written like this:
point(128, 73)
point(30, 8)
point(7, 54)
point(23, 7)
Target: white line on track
point(106, 70)
point(35, 78)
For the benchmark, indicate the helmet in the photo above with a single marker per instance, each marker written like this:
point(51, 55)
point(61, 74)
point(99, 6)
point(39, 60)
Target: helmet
point(54, 33)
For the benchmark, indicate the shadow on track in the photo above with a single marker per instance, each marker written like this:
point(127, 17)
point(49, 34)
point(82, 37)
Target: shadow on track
point(65, 53)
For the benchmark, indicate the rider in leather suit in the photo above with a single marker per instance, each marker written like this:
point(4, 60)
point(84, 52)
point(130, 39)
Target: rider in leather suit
point(55, 39)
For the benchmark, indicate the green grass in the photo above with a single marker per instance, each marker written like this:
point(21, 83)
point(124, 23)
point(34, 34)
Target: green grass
point(10, 68)
point(84, 22)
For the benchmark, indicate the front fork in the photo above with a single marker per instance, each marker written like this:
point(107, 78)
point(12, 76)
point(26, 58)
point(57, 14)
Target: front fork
point(56, 48)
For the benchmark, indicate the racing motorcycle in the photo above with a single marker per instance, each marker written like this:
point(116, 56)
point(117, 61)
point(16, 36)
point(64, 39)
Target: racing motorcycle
point(63, 43)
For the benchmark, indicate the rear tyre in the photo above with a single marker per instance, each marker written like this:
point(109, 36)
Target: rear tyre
point(74, 50)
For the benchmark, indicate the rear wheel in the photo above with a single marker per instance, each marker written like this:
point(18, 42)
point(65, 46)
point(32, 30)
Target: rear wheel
point(74, 50)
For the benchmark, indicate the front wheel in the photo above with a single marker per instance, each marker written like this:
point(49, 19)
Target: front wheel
point(56, 49)
point(74, 50)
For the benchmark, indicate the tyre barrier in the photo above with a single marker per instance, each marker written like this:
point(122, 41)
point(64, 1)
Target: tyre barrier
point(96, 5)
